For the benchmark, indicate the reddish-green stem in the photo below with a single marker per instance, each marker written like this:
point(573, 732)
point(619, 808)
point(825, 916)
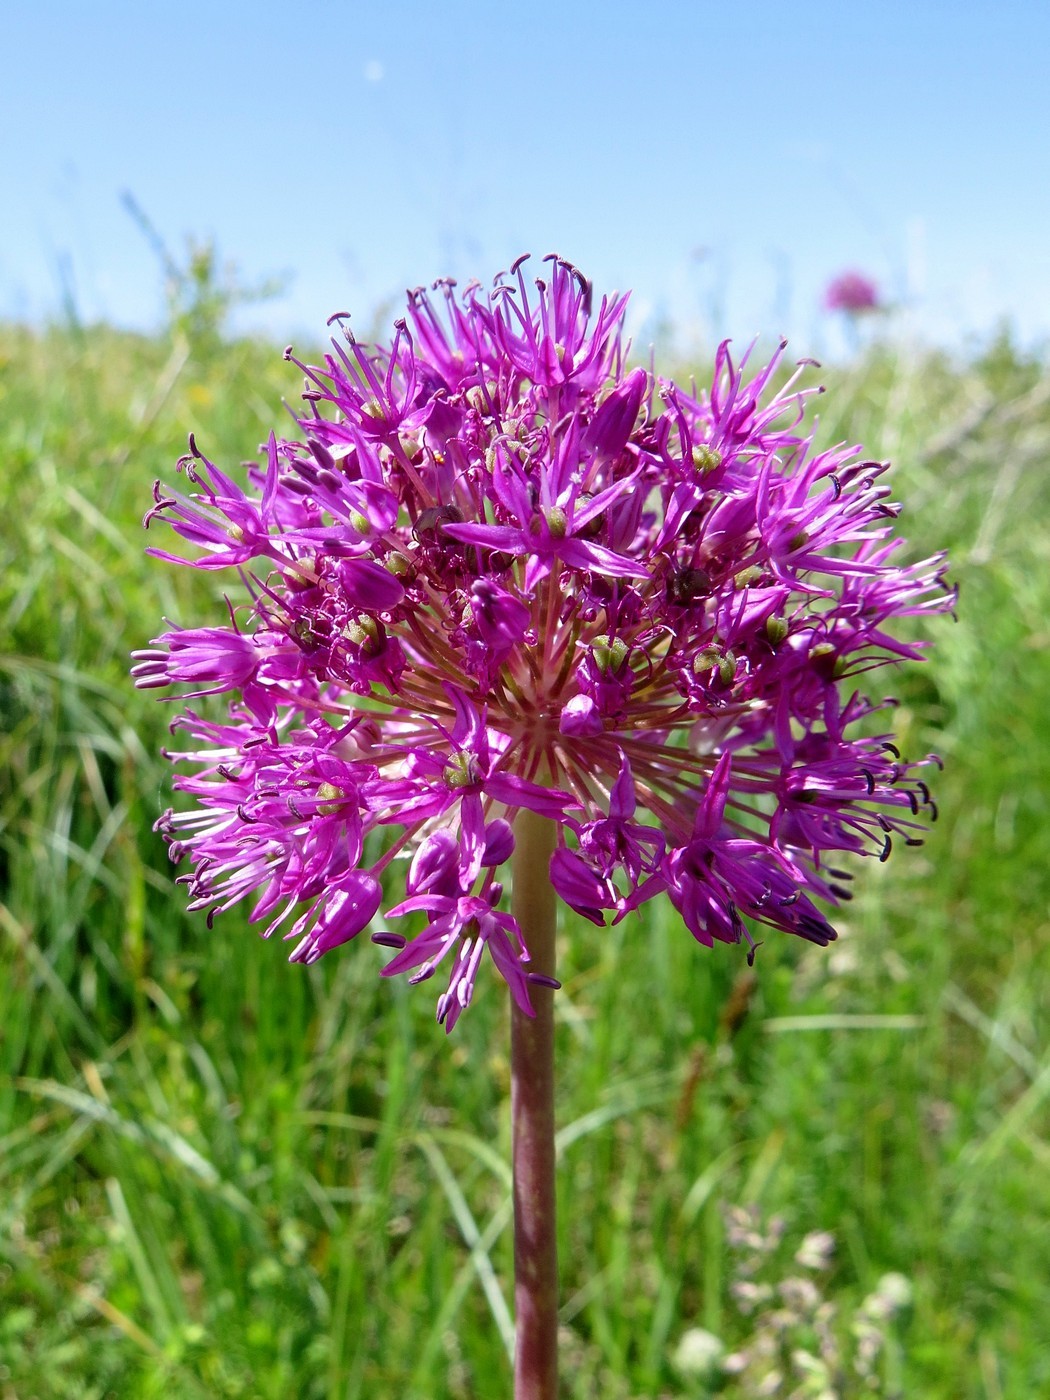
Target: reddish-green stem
point(532, 1123)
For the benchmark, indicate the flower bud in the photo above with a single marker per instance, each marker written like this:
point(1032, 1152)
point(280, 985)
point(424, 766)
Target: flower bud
point(364, 632)
point(579, 886)
point(557, 521)
point(706, 459)
point(369, 585)
point(499, 842)
point(329, 799)
point(703, 661)
point(305, 633)
point(460, 772)
point(409, 444)
point(435, 865)
point(400, 566)
point(827, 661)
point(611, 426)
point(580, 718)
point(746, 577)
point(501, 618)
point(347, 911)
point(609, 655)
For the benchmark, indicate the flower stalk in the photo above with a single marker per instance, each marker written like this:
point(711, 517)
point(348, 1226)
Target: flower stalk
point(532, 1122)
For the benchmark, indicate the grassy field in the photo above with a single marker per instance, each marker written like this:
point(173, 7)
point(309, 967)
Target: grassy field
point(222, 1176)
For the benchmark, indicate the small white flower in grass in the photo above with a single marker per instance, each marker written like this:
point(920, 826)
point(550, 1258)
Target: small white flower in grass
point(699, 1353)
point(816, 1250)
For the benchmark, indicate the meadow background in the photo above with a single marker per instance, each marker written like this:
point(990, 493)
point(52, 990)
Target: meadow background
point(221, 1176)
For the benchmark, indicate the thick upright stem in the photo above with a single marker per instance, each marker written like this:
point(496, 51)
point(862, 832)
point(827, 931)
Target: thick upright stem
point(532, 1123)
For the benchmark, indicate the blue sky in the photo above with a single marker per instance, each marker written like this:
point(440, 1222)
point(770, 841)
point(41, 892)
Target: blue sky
point(723, 160)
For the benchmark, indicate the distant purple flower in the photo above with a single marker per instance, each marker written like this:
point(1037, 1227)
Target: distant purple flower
point(853, 293)
point(499, 571)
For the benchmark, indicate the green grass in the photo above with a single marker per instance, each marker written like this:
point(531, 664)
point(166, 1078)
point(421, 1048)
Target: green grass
point(222, 1176)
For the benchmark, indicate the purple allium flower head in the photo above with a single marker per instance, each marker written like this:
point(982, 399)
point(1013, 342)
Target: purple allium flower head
point(852, 292)
point(500, 571)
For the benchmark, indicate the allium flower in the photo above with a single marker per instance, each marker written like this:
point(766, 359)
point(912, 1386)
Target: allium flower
point(853, 293)
point(502, 571)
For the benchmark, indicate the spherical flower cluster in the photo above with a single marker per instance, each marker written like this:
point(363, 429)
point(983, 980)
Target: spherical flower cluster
point(852, 292)
point(501, 571)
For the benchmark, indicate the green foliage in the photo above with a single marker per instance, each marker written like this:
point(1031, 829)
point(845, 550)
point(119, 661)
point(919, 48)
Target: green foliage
point(199, 291)
point(222, 1176)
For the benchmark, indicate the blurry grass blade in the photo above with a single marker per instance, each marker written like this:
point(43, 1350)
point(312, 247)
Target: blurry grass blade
point(706, 1183)
point(763, 1167)
point(776, 1025)
point(955, 999)
point(483, 1152)
point(981, 1156)
point(468, 1228)
point(453, 1298)
point(40, 965)
point(147, 1133)
point(60, 1151)
point(152, 1291)
point(625, 1098)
